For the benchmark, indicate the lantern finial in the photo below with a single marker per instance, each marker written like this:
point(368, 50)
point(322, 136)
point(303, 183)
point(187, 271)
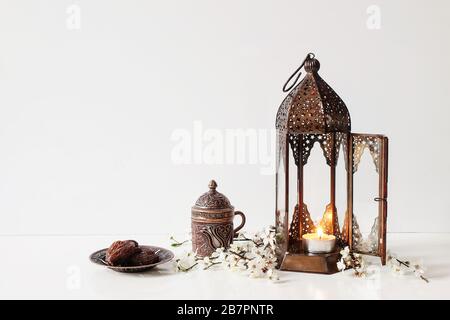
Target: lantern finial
point(309, 56)
point(312, 65)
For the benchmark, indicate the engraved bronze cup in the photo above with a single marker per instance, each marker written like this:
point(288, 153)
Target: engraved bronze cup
point(212, 222)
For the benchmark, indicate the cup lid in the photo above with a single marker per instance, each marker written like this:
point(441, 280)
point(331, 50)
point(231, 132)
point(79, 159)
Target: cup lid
point(213, 199)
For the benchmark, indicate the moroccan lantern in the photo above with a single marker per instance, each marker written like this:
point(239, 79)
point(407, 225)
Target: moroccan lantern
point(313, 114)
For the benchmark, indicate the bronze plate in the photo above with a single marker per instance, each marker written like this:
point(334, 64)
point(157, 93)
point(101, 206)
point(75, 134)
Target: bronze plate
point(164, 256)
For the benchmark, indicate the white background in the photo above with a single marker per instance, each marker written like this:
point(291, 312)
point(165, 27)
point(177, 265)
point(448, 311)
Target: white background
point(87, 115)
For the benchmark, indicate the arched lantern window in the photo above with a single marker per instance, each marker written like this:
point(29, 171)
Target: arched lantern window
point(312, 114)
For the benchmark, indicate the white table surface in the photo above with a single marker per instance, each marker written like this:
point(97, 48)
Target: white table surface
point(57, 267)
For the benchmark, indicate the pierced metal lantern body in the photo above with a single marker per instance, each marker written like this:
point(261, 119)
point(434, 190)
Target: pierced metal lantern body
point(312, 114)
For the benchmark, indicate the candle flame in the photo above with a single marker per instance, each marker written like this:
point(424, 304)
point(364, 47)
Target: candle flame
point(319, 232)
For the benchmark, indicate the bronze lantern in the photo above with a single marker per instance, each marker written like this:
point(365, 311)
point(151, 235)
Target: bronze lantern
point(312, 113)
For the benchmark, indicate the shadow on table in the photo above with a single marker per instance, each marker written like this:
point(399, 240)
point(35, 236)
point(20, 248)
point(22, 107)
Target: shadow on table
point(152, 273)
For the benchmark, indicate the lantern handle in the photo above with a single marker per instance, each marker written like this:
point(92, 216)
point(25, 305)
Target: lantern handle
point(308, 56)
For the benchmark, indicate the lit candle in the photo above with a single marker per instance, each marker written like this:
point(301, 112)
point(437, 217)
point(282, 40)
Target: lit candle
point(318, 242)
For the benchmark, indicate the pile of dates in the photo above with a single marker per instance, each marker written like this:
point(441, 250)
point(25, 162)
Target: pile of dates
point(129, 253)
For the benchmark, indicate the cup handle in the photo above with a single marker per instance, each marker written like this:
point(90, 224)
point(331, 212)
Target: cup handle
point(239, 213)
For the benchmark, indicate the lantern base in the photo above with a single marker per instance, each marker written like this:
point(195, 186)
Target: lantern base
point(309, 262)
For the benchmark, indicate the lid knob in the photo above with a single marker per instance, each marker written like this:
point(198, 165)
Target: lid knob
point(212, 185)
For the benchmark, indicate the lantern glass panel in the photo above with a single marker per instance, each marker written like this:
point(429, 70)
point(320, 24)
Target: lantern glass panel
point(293, 187)
point(365, 209)
point(369, 186)
point(281, 209)
point(342, 181)
point(316, 181)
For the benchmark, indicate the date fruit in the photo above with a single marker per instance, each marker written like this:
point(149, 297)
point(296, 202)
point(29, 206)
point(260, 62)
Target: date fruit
point(120, 252)
point(145, 257)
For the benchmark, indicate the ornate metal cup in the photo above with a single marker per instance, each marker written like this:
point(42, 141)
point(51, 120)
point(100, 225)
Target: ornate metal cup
point(212, 222)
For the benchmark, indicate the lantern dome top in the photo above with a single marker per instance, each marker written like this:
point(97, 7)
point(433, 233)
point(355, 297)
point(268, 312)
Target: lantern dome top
point(312, 106)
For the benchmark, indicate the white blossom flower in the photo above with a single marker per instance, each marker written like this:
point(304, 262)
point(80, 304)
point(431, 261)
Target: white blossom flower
point(269, 238)
point(220, 250)
point(232, 260)
point(341, 265)
point(417, 268)
point(416, 263)
point(255, 274)
point(273, 275)
point(345, 252)
point(257, 237)
point(220, 255)
point(271, 262)
point(241, 265)
point(186, 262)
point(253, 264)
point(348, 261)
point(236, 247)
point(397, 270)
point(360, 272)
point(419, 272)
point(206, 262)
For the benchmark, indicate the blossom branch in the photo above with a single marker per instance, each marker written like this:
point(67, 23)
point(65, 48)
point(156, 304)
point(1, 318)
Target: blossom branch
point(408, 265)
point(177, 243)
point(237, 254)
point(397, 266)
point(256, 257)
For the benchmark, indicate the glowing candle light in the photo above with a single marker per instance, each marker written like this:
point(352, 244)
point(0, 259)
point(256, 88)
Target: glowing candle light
point(319, 242)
